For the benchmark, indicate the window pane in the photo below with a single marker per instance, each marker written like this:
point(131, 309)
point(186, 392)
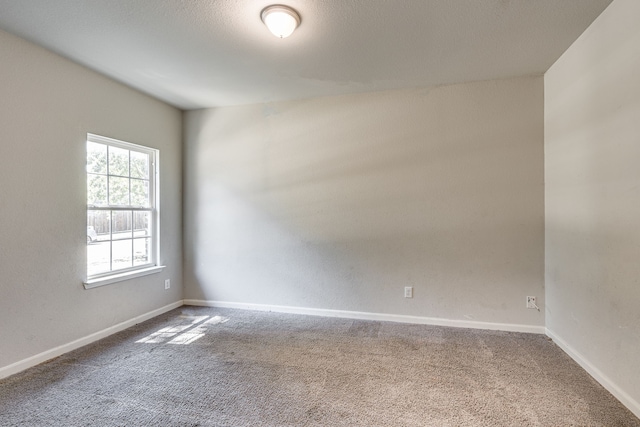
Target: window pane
point(121, 254)
point(118, 191)
point(139, 165)
point(140, 193)
point(121, 224)
point(96, 190)
point(100, 223)
point(141, 251)
point(96, 158)
point(98, 258)
point(141, 224)
point(118, 161)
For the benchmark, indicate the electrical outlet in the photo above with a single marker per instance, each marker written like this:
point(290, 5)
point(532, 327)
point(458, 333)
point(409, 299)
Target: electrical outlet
point(408, 292)
point(167, 283)
point(531, 302)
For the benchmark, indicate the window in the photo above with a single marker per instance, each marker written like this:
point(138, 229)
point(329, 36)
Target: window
point(122, 216)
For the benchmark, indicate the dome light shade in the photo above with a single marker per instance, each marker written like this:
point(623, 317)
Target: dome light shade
point(280, 20)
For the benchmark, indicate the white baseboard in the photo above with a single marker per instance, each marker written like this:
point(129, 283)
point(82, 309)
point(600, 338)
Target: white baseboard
point(597, 374)
point(372, 316)
point(605, 381)
point(21, 365)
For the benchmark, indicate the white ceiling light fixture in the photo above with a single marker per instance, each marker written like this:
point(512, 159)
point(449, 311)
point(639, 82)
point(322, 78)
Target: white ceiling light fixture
point(280, 20)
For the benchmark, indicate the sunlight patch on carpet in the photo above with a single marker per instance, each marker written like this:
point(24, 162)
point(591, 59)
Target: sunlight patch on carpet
point(185, 333)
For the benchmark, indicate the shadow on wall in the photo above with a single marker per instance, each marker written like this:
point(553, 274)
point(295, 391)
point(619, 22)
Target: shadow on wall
point(351, 194)
point(589, 270)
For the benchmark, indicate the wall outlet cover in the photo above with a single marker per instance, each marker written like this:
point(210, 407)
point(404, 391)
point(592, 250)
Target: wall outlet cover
point(531, 302)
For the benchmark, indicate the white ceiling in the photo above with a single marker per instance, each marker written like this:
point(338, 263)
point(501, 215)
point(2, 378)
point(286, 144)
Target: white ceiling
point(207, 53)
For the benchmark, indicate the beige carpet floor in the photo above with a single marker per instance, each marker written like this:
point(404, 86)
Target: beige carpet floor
point(220, 367)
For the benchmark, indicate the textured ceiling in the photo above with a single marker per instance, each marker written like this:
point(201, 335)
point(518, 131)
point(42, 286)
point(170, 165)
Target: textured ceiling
point(206, 53)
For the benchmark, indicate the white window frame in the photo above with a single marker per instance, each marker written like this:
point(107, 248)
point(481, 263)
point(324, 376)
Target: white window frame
point(153, 266)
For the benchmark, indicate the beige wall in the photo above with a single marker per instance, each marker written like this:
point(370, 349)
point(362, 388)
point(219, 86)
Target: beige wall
point(340, 202)
point(47, 106)
point(592, 173)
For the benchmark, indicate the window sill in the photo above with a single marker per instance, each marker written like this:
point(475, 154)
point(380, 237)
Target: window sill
point(114, 278)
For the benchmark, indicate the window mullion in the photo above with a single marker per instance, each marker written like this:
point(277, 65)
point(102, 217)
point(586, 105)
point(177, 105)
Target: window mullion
point(129, 181)
point(120, 208)
point(108, 180)
point(111, 241)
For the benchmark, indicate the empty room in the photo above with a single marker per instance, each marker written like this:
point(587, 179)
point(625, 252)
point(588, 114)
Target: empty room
point(319, 213)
